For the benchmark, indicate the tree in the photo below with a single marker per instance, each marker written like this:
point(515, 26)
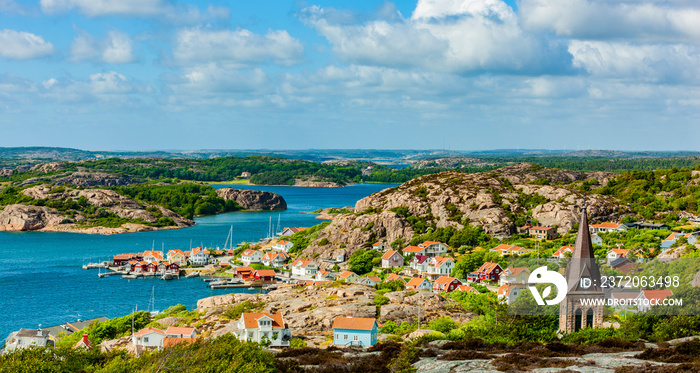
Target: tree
point(361, 261)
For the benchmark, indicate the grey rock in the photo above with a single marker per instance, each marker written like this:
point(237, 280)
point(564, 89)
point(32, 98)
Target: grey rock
point(256, 200)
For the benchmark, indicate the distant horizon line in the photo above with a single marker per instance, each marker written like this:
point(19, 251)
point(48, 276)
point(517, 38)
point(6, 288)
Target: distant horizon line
point(518, 150)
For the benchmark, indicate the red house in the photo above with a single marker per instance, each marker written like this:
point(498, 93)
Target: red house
point(489, 271)
point(244, 272)
point(121, 259)
point(152, 267)
point(174, 267)
point(446, 284)
point(265, 275)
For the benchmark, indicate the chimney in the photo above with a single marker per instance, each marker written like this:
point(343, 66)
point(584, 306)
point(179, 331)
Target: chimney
point(349, 316)
point(38, 333)
point(85, 339)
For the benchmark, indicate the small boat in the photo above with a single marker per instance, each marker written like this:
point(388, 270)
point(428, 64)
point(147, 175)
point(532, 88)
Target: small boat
point(251, 288)
point(166, 276)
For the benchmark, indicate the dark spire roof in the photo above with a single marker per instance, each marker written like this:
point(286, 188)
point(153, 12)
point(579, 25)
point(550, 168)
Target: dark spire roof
point(583, 248)
point(582, 262)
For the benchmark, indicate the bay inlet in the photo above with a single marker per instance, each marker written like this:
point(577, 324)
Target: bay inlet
point(42, 282)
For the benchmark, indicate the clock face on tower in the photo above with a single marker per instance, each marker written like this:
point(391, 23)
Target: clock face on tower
point(586, 282)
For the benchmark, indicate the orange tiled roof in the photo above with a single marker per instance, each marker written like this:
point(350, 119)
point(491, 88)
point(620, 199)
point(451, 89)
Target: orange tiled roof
point(179, 330)
point(438, 261)
point(541, 228)
point(355, 323)
point(265, 272)
point(622, 252)
point(658, 295)
point(413, 249)
point(251, 320)
point(444, 280)
point(375, 279)
point(394, 277)
point(505, 289)
point(283, 242)
point(346, 274)
point(466, 289)
point(415, 282)
point(249, 252)
point(563, 250)
point(606, 225)
point(514, 271)
point(428, 243)
point(148, 331)
point(155, 254)
point(389, 254)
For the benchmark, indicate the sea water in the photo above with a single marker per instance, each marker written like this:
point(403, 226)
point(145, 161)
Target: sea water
point(42, 281)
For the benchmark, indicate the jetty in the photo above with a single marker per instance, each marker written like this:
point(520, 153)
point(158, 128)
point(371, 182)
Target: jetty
point(96, 265)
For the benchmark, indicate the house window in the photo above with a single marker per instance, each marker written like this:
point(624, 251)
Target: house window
point(345, 337)
point(337, 336)
point(145, 339)
point(356, 338)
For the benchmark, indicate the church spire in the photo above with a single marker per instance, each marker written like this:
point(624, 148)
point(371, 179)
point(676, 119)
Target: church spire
point(583, 262)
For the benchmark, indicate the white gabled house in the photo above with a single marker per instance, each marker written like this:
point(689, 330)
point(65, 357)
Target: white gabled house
point(304, 268)
point(378, 246)
point(198, 256)
point(251, 256)
point(434, 248)
point(324, 276)
point(257, 327)
point(152, 256)
point(560, 254)
point(177, 256)
point(283, 245)
point(615, 254)
point(392, 259)
point(606, 227)
point(514, 276)
point(509, 293)
point(419, 263)
point(149, 337)
point(439, 266)
point(275, 259)
point(370, 280)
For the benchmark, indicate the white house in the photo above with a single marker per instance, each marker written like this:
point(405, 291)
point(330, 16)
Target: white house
point(324, 276)
point(276, 260)
point(25, 338)
point(651, 298)
point(370, 280)
point(257, 327)
point(419, 263)
point(434, 248)
point(505, 249)
point(596, 239)
point(378, 246)
point(181, 332)
point(149, 337)
point(283, 245)
point(514, 276)
point(439, 266)
point(561, 253)
point(607, 227)
point(251, 256)
point(615, 254)
point(198, 256)
point(152, 256)
point(508, 292)
point(392, 259)
point(304, 268)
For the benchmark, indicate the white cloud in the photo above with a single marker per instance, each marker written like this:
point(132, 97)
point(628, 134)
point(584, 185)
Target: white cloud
point(239, 46)
point(105, 87)
point(118, 49)
point(22, 45)
point(652, 20)
point(115, 48)
point(443, 35)
point(138, 8)
point(677, 64)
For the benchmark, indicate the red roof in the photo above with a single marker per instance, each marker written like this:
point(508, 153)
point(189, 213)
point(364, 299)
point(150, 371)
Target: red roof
point(488, 267)
point(244, 269)
point(355, 323)
point(149, 330)
point(444, 280)
point(265, 273)
point(84, 342)
point(606, 225)
point(251, 320)
point(376, 244)
point(658, 295)
point(179, 330)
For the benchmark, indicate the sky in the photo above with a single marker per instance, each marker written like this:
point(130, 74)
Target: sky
point(426, 74)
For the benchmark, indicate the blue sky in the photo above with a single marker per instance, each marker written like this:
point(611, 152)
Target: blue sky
point(469, 74)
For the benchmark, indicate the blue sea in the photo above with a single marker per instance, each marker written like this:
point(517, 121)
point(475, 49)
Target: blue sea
point(42, 282)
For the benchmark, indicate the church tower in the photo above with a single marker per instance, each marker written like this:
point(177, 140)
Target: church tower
point(583, 282)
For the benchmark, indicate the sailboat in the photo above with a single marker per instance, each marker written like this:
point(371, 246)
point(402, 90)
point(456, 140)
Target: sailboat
point(152, 303)
point(229, 240)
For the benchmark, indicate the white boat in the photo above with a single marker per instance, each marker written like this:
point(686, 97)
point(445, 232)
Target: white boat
point(152, 303)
